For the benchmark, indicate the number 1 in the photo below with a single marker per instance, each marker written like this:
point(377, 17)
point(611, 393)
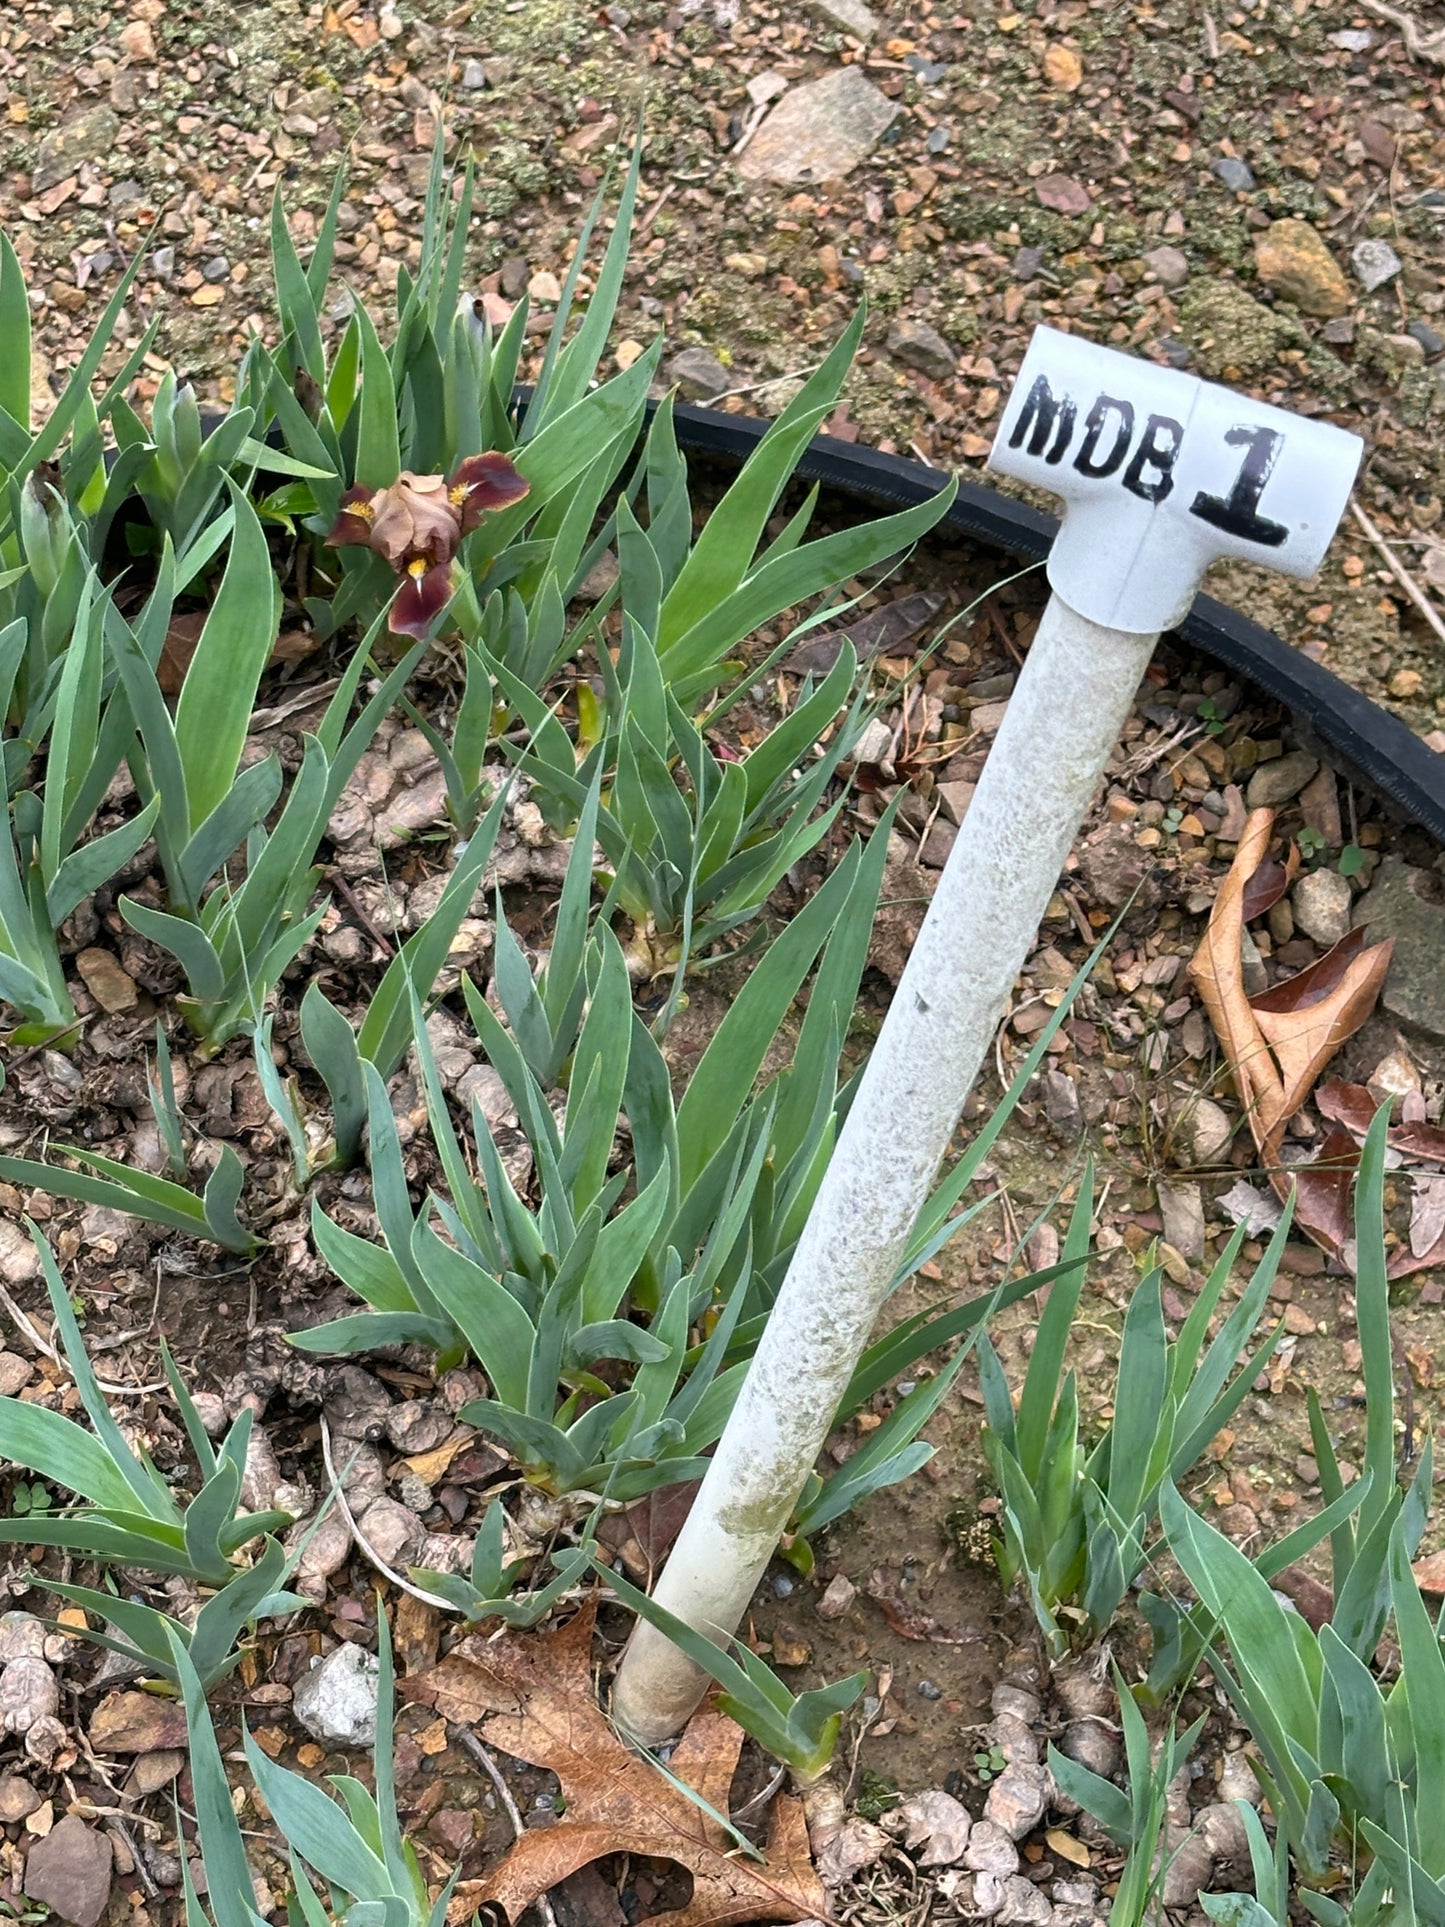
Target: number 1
point(1237, 512)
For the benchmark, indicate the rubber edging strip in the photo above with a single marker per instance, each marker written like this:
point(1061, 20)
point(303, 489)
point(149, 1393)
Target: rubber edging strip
point(1383, 750)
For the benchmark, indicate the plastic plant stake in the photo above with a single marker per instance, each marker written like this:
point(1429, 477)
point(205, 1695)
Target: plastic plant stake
point(1160, 474)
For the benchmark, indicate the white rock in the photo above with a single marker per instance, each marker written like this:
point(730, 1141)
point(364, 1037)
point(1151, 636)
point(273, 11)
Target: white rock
point(1323, 901)
point(1375, 263)
point(851, 15)
point(336, 1702)
point(1182, 1209)
point(1204, 1131)
point(1394, 1077)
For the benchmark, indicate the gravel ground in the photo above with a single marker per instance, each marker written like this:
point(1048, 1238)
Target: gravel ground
point(1124, 170)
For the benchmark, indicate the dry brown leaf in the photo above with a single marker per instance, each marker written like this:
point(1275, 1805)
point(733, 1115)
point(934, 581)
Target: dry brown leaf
point(1353, 1106)
point(1305, 1019)
point(1217, 969)
point(1323, 1192)
point(1279, 1042)
point(533, 1697)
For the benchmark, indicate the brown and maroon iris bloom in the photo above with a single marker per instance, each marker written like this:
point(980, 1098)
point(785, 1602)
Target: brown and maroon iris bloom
point(417, 525)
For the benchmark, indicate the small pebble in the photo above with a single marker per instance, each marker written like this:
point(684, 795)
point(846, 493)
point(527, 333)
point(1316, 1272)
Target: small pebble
point(217, 268)
point(1235, 175)
point(928, 1690)
point(1375, 262)
point(938, 139)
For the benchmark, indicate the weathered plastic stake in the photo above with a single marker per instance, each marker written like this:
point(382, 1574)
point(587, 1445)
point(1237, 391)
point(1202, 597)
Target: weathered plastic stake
point(1161, 474)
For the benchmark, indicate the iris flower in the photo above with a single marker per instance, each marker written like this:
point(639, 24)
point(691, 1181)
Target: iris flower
point(417, 524)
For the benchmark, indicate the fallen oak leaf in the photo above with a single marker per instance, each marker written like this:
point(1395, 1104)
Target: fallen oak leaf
point(1322, 1192)
point(1217, 968)
point(1306, 1018)
point(1354, 1106)
point(532, 1696)
point(1278, 1042)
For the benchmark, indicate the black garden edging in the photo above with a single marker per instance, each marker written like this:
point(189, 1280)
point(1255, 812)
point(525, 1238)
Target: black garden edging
point(1377, 746)
point(1374, 745)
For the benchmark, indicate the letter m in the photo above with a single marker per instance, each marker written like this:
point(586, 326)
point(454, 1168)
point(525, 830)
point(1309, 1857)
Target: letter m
point(1042, 414)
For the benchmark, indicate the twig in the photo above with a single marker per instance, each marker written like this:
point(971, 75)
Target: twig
point(657, 206)
point(362, 1544)
point(1397, 569)
point(28, 1329)
point(754, 122)
point(1419, 46)
point(470, 1744)
point(772, 381)
point(383, 944)
point(148, 1880)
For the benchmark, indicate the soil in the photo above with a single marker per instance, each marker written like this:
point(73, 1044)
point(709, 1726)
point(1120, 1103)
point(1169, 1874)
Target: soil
point(950, 232)
point(173, 138)
point(927, 1616)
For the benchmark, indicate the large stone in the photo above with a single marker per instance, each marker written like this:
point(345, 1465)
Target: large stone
point(69, 1871)
point(700, 375)
point(1276, 782)
point(918, 346)
point(336, 1701)
point(1182, 1210)
point(1204, 1132)
point(90, 136)
point(1291, 257)
point(1322, 901)
point(1415, 983)
point(819, 131)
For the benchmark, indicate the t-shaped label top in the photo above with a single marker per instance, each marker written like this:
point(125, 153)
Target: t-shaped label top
point(1161, 474)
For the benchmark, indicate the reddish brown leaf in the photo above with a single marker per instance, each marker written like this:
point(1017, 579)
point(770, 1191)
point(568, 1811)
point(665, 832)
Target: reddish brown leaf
point(179, 646)
point(1419, 1140)
point(1322, 1192)
point(533, 1696)
point(642, 1533)
point(1268, 884)
point(1348, 1104)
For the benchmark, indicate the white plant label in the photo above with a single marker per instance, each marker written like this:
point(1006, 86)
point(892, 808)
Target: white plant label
point(1162, 474)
